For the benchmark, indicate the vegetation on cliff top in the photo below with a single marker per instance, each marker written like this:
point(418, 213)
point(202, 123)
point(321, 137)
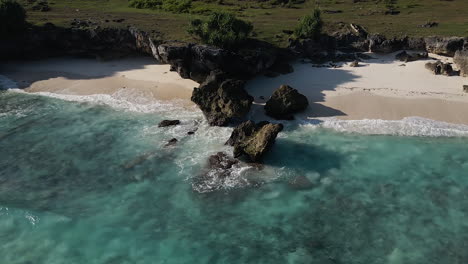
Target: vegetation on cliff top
point(221, 29)
point(272, 20)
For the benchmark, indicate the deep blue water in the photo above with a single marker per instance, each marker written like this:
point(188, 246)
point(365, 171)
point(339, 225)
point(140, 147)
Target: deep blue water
point(87, 183)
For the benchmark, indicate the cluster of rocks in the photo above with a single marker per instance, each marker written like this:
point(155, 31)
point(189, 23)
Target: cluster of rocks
point(461, 60)
point(441, 68)
point(351, 37)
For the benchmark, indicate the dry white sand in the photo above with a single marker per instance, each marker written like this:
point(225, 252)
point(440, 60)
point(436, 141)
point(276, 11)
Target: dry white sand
point(141, 78)
point(380, 88)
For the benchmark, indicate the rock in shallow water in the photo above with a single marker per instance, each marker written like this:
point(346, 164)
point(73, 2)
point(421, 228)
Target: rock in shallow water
point(284, 102)
point(166, 123)
point(253, 140)
point(222, 99)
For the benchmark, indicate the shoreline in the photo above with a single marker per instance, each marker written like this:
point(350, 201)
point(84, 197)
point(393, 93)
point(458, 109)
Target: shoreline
point(411, 91)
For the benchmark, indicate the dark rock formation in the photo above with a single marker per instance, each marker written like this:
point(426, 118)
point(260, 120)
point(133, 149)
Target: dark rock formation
point(354, 64)
point(285, 102)
point(197, 61)
point(166, 123)
point(406, 57)
point(444, 46)
point(171, 142)
point(221, 172)
point(49, 40)
point(465, 88)
point(253, 140)
point(440, 68)
point(222, 100)
point(461, 60)
point(429, 25)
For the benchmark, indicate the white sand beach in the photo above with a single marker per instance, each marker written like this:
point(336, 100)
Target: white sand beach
point(139, 79)
point(380, 88)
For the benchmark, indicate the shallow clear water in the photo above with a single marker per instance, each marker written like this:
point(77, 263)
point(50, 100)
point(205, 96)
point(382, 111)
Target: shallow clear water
point(83, 182)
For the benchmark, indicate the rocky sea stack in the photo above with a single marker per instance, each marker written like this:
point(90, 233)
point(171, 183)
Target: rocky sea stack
point(285, 102)
point(253, 140)
point(222, 99)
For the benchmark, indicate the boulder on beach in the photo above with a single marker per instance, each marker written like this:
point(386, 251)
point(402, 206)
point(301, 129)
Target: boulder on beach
point(285, 102)
point(465, 88)
point(253, 140)
point(461, 60)
point(222, 99)
point(440, 68)
point(354, 64)
point(166, 123)
point(406, 57)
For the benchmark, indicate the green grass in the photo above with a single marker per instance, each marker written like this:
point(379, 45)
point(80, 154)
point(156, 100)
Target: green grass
point(269, 21)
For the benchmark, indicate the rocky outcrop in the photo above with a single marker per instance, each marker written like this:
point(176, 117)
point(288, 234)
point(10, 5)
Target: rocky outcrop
point(166, 123)
point(197, 61)
point(221, 99)
point(444, 46)
point(285, 102)
point(380, 44)
point(252, 140)
point(461, 60)
point(465, 88)
point(440, 68)
point(49, 40)
point(406, 57)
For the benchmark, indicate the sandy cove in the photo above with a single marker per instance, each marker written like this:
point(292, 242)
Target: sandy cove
point(381, 88)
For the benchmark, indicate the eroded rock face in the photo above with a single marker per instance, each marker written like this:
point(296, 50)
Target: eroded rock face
point(444, 46)
point(285, 102)
point(461, 60)
point(380, 44)
point(252, 140)
point(197, 61)
point(222, 100)
point(406, 57)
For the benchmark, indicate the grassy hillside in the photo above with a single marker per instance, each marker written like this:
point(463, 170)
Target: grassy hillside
point(270, 20)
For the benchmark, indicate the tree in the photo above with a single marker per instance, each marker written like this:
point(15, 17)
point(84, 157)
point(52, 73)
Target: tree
point(310, 26)
point(12, 17)
point(221, 29)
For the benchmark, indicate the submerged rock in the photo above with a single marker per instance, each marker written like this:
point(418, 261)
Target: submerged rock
point(406, 57)
point(221, 99)
point(221, 172)
point(285, 102)
point(440, 68)
point(300, 183)
point(461, 60)
point(171, 142)
point(166, 123)
point(253, 140)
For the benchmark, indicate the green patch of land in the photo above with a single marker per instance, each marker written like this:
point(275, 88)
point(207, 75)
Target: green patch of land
point(270, 21)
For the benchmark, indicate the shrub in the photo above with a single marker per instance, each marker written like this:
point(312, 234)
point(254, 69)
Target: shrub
point(12, 17)
point(221, 29)
point(174, 6)
point(177, 6)
point(310, 26)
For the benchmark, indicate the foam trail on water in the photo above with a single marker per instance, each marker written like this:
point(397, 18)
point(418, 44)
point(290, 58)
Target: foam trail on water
point(409, 126)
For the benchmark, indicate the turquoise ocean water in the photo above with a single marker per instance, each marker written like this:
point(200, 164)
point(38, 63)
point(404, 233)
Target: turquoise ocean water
point(88, 180)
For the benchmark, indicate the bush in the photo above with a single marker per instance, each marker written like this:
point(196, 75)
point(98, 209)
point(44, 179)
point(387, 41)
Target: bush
point(12, 17)
point(174, 6)
point(310, 26)
point(221, 29)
